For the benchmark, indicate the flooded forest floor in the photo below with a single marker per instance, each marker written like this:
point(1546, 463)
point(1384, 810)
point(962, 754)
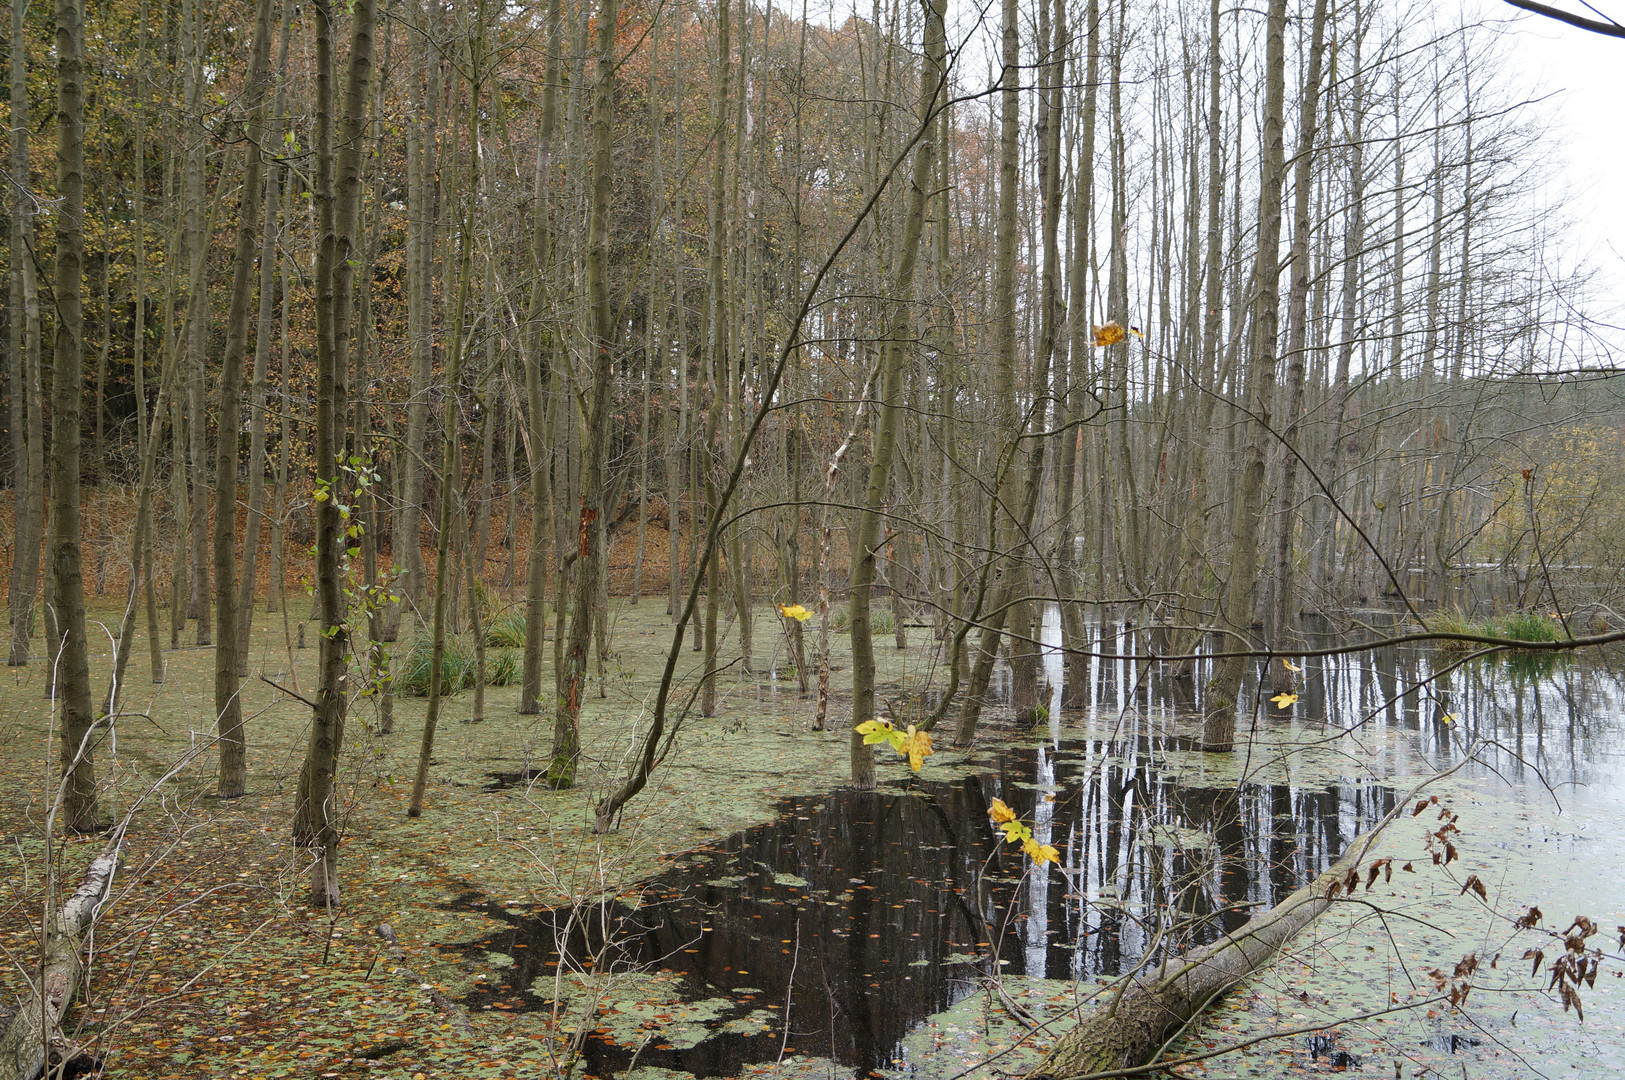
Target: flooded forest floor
point(752, 916)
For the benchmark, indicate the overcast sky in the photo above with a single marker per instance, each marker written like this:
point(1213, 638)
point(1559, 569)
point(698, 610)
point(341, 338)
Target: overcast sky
point(1582, 76)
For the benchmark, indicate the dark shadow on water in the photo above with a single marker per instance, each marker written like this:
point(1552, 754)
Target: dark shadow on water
point(870, 911)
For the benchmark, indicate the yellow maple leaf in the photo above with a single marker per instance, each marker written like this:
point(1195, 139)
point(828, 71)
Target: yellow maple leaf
point(1000, 812)
point(917, 745)
point(1110, 334)
point(1040, 853)
point(1290, 666)
point(1284, 701)
point(795, 611)
point(1448, 718)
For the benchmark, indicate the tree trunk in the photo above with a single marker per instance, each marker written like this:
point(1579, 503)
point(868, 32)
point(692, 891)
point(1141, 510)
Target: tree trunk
point(261, 392)
point(1003, 528)
point(1286, 516)
point(28, 435)
point(561, 771)
point(899, 335)
point(422, 136)
point(1131, 1028)
point(67, 391)
point(1219, 721)
point(316, 813)
point(538, 376)
point(1074, 398)
point(228, 705)
point(36, 1025)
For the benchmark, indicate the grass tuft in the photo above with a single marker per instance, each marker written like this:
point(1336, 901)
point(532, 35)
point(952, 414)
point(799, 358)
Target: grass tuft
point(456, 668)
point(507, 631)
point(502, 671)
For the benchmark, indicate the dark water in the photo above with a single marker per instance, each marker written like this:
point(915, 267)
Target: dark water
point(855, 915)
point(872, 910)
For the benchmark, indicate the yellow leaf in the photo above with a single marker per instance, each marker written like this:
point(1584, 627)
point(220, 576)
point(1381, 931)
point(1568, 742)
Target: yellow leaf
point(875, 731)
point(795, 611)
point(1290, 666)
point(917, 745)
point(1040, 853)
point(1000, 812)
point(1448, 718)
point(1284, 701)
point(1110, 334)
point(1015, 831)
point(320, 496)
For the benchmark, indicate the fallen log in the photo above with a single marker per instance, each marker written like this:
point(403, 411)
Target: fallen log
point(34, 1029)
point(1132, 1027)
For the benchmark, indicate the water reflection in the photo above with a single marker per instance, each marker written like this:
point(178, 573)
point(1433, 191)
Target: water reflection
point(1559, 716)
point(854, 915)
point(870, 910)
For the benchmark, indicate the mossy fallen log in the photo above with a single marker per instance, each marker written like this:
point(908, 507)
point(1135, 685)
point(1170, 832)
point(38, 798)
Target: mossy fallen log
point(1130, 1028)
point(34, 1029)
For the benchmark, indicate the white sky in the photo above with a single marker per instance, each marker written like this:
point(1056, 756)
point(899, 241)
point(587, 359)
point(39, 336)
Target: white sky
point(1582, 78)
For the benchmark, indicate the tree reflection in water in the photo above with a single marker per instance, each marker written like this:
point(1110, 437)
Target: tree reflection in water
point(890, 905)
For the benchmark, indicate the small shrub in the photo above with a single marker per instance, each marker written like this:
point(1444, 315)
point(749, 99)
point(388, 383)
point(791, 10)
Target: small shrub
point(507, 631)
point(840, 619)
point(882, 623)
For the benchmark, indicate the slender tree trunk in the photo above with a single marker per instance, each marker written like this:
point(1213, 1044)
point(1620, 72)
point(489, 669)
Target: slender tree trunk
point(451, 459)
point(716, 341)
point(1297, 337)
point(1074, 397)
point(1223, 690)
point(261, 392)
point(561, 771)
point(227, 702)
point(78, 717)
point(27, 394)
point(538, 376)
point(899, 334)
point(1003, 532)
point(316, 813)
point(422, 136)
